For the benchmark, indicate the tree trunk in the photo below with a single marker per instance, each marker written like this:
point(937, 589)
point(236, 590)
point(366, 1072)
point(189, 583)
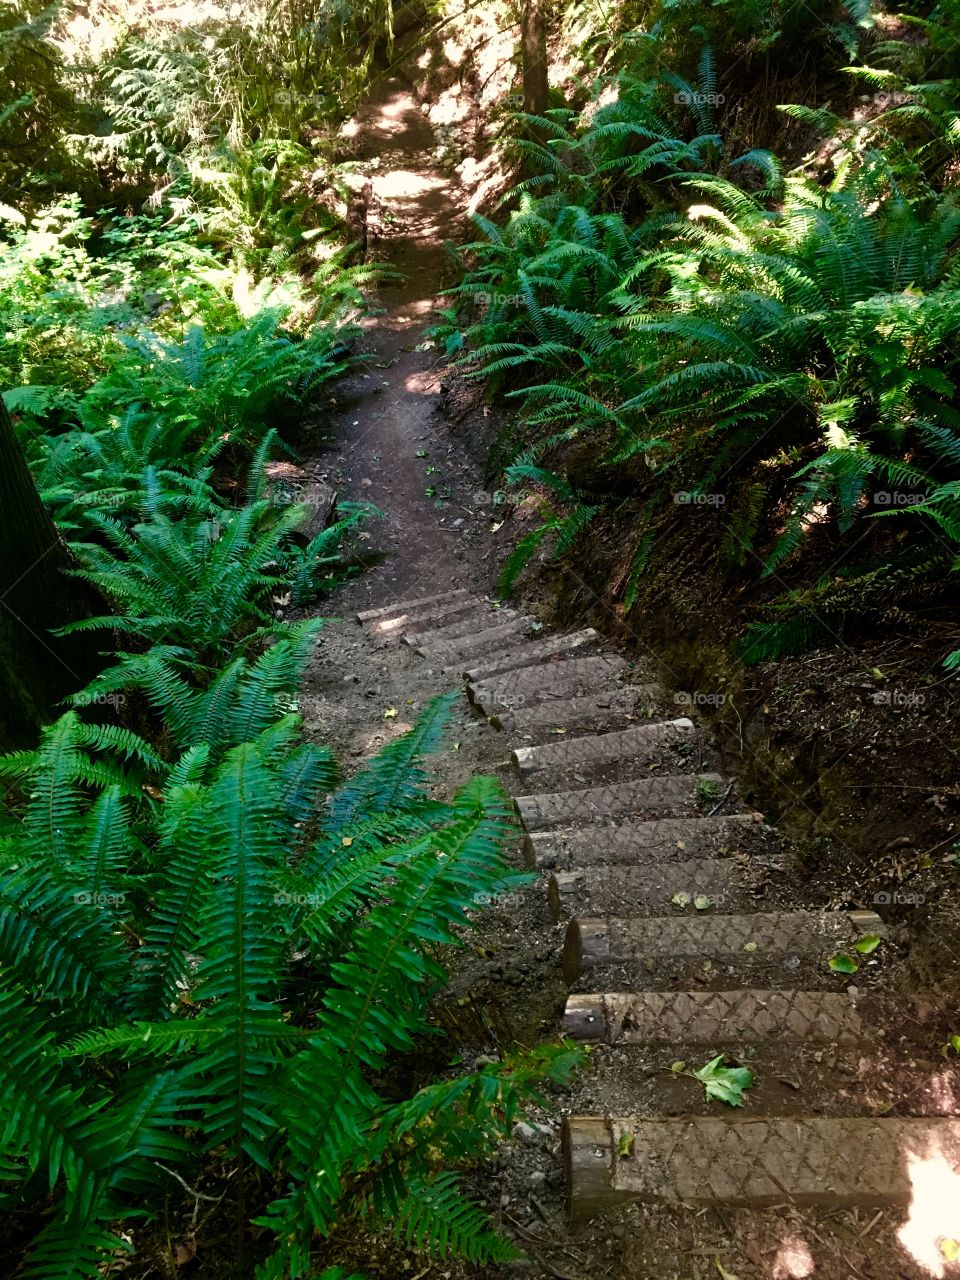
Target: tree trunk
point(533, 49)
point(37, 669)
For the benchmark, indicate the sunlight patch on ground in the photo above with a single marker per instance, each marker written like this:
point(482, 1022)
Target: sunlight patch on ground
point(794, 1260)
point(934, 1216)
point(401, 184)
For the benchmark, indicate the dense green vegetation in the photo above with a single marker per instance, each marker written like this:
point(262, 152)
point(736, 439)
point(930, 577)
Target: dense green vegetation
point(709, 296)
point(723, 290)
point(213, 948)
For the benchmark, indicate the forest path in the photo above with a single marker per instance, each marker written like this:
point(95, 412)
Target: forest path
point(620, 810)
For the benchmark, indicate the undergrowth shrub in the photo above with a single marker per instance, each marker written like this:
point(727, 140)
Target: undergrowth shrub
point(781, 345)
point(211, 970)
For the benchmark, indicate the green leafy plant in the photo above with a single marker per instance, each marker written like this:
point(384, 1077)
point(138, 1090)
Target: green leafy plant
point(275, 970)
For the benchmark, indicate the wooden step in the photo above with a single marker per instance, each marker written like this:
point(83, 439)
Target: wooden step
point(454, 654)
point(653, 797)
point(745, 942)
point(630, 843)
point(671, 888)
point(746, 1162)
point(567, 678)
point(478, 620)
point(401, 624)
point(609, 709)
point(408, 606)
point(713, 1017)
point(530, 654)
point(639, 742)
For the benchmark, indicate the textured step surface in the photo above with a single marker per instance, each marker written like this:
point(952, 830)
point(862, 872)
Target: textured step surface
point(408, 606)
point(656, 797)
point(749, 1162)
point(626, 843)
point(637, 742)
point(467, 624)
point(610, 708)
point(713, 1017)
point(492, 636)
point(749, 940)
point(526, 655)
point(568, 678)
point(417, 620)
point(654, 889)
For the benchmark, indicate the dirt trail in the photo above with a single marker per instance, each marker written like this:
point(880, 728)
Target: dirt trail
point(392, 447)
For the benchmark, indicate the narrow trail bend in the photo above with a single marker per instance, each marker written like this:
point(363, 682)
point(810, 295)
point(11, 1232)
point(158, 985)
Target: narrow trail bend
point(659, 933)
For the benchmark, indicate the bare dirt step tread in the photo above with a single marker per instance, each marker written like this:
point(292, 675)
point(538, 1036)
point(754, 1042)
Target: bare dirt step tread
point(651, 889)
point(531, 654)
point(749, 1162)
point(713, 1017)
point(567, 678)
point(629, 843)
point(748, 939)
point(602, 748)
point(609, 709)
point(408, 606)
point(591, 805)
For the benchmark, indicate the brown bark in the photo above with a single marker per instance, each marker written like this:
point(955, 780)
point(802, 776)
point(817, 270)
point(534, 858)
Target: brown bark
point(37, 668)
point(533, 51)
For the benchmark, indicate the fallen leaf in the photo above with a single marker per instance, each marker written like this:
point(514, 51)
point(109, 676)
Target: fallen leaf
point(950, 1250)
point(749, 946)
point(390, 713)
point(725, 1084)
point(867, 944)
point(681, 899)
point(843, 964)
point(701, 902)
point(347, 841)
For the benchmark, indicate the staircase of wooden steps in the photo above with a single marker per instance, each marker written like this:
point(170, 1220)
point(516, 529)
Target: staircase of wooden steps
point(670, 952)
